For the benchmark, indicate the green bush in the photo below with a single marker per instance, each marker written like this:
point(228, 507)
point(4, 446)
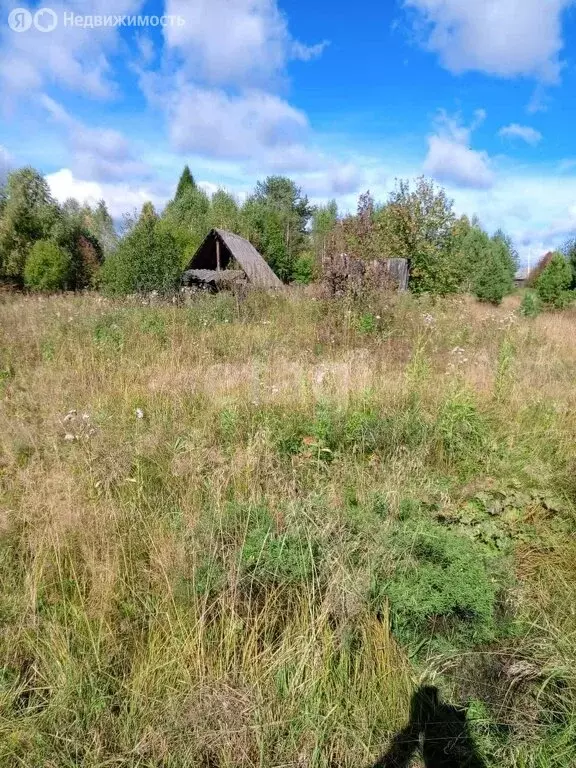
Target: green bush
point(47, 268)
point(304, 270)
point(493, 280)
point(553, 284)
point(441, 587)
point(367, 323)
point(147, 259)
point(531, 306)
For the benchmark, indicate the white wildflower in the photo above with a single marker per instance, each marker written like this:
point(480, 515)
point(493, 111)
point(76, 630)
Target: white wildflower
point(429, 319)
point(139, 413)
point(69, 437)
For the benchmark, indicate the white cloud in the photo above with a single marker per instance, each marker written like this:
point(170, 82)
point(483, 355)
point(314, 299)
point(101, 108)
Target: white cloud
point(536, 210)
point(245, 126)
point(220, 94)
point(76, 58)
point(101, 154)
point(5, 163)
point(308, 52)
point(451, 159)
point(120, 197)
point(524, 132)
point(242, 42)
point(336, 180)
point(506, 38)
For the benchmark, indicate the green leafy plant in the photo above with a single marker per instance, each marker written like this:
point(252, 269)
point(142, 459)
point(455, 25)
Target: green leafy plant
point(553, 284)
point(147, 259)
point(367, 323)
point(271, 558)
point(530, 306)
point(48, 267)
point(304, 269)
point(442, 586)
point(462, 430)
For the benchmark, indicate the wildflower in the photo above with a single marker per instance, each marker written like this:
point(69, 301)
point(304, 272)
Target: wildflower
point(139, 413)
point(69, 437)
point(429, 319)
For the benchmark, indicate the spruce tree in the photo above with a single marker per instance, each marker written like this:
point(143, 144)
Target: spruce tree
point(553, 284)
point(492, 280)
point(185, 183)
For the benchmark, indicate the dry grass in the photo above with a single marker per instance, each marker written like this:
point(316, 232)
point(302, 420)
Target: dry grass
point(197, 514)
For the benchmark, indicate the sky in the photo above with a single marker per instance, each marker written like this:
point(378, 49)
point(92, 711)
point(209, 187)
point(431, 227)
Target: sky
point(341, 97)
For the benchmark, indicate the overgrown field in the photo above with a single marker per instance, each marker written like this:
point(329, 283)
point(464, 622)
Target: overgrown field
point(241, 533)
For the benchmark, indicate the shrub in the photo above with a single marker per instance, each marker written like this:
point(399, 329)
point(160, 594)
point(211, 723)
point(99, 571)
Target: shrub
point(531, 305)
point(417, 224)
point(442, 586)
point(553, 283)
point(493, 279)
point(304, 270)
point(538, 269)
point(147, 259)
point(47, 268)
point(84, 249)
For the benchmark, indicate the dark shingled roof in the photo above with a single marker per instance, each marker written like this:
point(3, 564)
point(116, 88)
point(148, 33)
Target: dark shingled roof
point(233, 247)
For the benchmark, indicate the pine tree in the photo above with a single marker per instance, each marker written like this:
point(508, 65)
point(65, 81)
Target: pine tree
point(185, 183)
point(492, 279)
point(553, 284)
point(569, 251)
point(275, 219)
point(508, 250)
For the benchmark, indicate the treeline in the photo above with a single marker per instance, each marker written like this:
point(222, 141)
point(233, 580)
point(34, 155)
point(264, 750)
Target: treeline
point(47, 246)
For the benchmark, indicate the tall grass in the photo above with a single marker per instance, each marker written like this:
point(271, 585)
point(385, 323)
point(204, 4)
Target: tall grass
point(240, 533)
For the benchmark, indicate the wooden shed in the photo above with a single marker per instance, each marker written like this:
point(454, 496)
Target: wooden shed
point(224, 258)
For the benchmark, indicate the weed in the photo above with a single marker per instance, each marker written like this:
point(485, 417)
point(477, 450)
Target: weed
point(442, 586)
point(308, 516)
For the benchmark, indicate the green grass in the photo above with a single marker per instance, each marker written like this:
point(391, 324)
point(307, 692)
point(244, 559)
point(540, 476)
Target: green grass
point(242, 533)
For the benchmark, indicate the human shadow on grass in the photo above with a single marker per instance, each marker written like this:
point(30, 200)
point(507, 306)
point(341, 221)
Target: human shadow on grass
point(438, 731)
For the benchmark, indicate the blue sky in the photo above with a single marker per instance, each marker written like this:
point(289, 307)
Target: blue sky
point(341, 97)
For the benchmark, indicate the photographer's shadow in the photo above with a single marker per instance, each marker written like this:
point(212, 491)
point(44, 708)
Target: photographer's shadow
point(438, 731)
